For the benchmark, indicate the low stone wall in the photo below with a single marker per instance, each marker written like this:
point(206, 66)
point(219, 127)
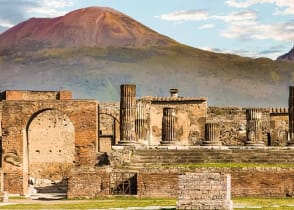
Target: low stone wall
point(88, 183)
point(271, 182)
point(246, 182)
point(157, 184)
point(163, 183)
point(204, 191)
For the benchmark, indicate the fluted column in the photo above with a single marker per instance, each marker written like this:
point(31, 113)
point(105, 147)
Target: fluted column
point(168, 126)
point(254, 127)
point(141, 122)
point(212, 134)
point(127, 114)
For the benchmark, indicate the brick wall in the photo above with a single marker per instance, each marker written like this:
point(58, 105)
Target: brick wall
point(204, 191)
point(36, 95)
point(86, 183)
point(273, 182)
point(157, 184)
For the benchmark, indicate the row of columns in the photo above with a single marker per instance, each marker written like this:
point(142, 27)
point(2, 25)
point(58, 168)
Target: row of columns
point(128, 113)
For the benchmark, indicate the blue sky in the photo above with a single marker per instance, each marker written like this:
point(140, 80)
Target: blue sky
point(253, 28)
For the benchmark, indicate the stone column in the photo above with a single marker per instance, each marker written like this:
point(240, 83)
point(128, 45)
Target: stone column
point(168, 126)
point(254, 127)
point(212, 134)
point(291, 115)
point(141, 122)
point(127, 114)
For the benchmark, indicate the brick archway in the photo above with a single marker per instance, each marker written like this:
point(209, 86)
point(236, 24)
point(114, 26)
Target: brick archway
point(17, 115)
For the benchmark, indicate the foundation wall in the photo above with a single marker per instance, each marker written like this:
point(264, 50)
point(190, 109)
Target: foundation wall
point(88, 183)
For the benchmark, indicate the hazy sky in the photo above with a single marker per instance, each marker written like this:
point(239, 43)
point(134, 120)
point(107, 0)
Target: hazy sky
point(252, 28)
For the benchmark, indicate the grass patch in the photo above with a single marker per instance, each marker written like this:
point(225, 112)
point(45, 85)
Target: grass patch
point(264, 203)
point(124, 202)
point(223, 165)
point(117, 202)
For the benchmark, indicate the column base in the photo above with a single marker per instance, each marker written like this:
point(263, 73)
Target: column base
point(290, 144)
point(167, 143)
point(206, 143)
point(255, 144)
point(127, 143)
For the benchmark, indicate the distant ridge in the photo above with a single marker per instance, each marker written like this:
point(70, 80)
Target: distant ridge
point(289, 56)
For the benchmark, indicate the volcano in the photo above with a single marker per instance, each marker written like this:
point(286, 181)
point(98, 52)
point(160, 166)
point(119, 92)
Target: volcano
point(92, 27)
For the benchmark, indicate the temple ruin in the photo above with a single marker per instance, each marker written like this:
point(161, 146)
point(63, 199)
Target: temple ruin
point(48, 136)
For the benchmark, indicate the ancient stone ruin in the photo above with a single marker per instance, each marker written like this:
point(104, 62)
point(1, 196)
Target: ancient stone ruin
point(118, 148)
point(205, 191)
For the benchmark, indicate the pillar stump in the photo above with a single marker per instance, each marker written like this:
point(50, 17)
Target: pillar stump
point(254, 127)
point(212, 134)
point(168, 126)
point(127, 114)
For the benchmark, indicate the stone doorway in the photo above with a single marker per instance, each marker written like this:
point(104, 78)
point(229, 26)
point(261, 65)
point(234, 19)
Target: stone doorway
point(51, 151)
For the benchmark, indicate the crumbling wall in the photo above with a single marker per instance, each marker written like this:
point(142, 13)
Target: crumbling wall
point(204, 191)
point(233, 124)
point(36, 95)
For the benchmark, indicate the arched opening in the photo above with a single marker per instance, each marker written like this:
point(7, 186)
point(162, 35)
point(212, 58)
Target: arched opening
point(50, 150)
point(108, 132)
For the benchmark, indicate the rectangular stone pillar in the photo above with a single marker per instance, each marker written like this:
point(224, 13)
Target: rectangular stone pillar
point(291, 115)
point(205, 191)
point(127, 114)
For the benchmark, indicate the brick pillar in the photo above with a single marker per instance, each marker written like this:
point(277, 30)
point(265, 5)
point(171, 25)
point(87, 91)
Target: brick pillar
point(127, 114)
point(168, 126)
point(291, 115)
point(254, 127)
point(212, 134)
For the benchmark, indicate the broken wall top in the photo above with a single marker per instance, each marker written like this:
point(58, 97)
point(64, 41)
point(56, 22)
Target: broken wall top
point(26, 95)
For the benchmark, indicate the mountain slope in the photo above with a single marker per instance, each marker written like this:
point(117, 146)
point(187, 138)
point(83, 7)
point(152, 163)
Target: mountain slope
point(92, 27)
point(95, 67)
point(289, 56)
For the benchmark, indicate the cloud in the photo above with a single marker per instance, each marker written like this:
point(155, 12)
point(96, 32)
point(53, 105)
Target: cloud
point(15, 11)
point(286, 5)
point(272, 52)
point(244, 17)
point(185, 15)
point(206, 26)
point(277, 31)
